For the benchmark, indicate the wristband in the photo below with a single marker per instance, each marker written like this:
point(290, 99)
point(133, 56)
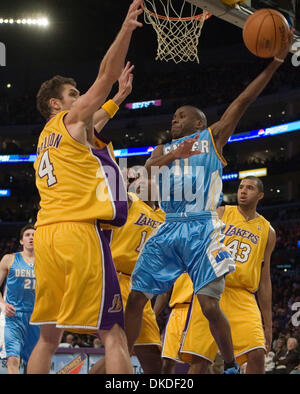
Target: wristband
point(278, 60)
point(110, 107)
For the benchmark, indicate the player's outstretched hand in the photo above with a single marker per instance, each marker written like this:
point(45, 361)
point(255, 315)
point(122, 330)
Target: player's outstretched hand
point(282, 54)
point(125, 80)
point(135, 9)
point(185, 149)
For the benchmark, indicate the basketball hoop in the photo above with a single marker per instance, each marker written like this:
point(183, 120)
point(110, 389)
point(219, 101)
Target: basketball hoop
point(177, 34)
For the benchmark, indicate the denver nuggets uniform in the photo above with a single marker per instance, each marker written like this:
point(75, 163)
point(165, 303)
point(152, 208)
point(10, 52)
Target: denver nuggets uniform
point(126, 244)
point(19, 336)
point(191, 238)
point(181, 297)
point(247, 241)
point(81, 189)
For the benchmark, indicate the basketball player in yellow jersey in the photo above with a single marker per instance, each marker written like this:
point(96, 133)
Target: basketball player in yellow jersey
point(126, 242)
point(250, 239)
point(180, 300)
point(76, 281)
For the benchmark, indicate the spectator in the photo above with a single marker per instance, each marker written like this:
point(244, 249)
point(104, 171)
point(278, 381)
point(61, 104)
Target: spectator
point(69, 342)
point(97, 343)
point(285, 363)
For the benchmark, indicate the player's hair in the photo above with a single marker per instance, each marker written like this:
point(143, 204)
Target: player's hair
point(25, 228)
point(258, 181)
point(51, 89)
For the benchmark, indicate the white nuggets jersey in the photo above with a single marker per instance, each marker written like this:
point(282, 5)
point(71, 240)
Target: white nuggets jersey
point(193, 184)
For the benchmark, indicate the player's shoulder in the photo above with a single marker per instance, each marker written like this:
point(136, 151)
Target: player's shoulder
point(7, 259)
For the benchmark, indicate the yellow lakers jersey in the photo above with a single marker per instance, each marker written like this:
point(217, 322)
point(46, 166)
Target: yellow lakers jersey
point(76, 182)
point(128, 241)
point(246, 241)
point(182, 290)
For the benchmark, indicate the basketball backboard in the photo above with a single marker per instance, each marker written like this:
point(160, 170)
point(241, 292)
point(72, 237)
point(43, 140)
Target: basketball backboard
point(238, 15)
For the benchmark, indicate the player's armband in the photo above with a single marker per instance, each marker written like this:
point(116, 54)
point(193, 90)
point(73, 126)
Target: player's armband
point(110, 107)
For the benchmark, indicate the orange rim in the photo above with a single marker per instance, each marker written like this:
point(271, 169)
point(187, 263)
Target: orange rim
point(186, 18)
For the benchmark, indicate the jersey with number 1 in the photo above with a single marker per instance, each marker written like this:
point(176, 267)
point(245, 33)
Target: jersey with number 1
point(128, 241)
point(193, 184)
point(77, 182)
point(20, 284)
point(246, 241)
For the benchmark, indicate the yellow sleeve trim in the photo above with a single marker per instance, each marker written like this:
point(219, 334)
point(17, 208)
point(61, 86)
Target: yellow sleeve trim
point(214, 145)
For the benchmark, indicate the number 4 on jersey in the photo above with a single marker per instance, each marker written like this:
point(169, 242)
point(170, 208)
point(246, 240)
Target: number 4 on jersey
point(46, 169)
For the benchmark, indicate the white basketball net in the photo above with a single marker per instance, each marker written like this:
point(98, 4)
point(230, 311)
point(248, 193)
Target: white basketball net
point(177, 35)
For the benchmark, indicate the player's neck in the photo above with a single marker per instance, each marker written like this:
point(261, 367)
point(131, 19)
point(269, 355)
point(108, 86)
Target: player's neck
point(249, 213)
point(28, 253)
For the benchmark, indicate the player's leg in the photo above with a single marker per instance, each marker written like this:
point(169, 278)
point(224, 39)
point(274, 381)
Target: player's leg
point(199, 366)
point(133, 316)
point(256, 362)
point(149, 357)
point(168, 366)
point(40, 358)
point(117, 358)
point(13, 342)
point(98, 368)
point(210, 261)
point(218, 323)
point(13, 365)
point(155, 272)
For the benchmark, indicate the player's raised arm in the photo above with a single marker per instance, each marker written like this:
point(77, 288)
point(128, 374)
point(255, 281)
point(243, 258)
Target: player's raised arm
point(224, 128)
point(108, 110)
point(110, 70)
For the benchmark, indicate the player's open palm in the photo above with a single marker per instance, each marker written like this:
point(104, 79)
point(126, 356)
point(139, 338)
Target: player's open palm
point(125, 80)
point(185, 149)
point(134, 11)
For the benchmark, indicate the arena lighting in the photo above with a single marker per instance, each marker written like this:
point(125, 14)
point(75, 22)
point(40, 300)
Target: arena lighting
point(5, 192)
point(144, 104)
point(255, 172)
point(42, 22)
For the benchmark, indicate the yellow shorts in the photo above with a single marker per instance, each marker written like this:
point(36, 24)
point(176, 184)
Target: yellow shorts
point(150, 334)
point(174, 331)
point(244, 317)
point(77, 286)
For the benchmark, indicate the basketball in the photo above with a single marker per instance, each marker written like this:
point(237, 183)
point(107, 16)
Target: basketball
point(266, 32)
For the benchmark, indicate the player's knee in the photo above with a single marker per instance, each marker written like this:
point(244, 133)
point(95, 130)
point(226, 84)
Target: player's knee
point(13, 362)
point(136, 300)
point(114, 337)
point(51, 337)
point(210, 307)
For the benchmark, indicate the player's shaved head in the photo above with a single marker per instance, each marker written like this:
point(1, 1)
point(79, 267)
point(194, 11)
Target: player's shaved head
point(197, 114)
